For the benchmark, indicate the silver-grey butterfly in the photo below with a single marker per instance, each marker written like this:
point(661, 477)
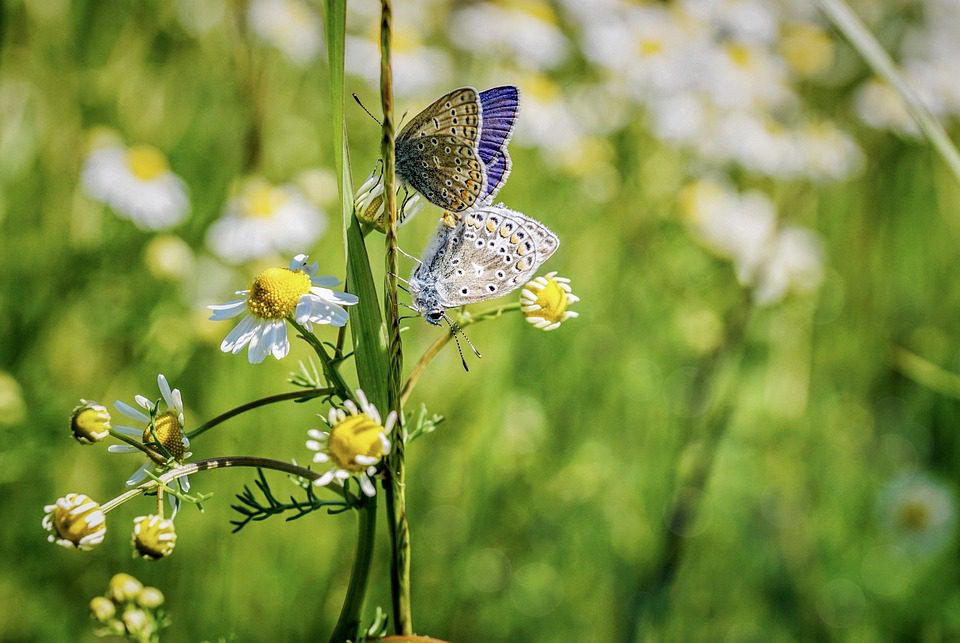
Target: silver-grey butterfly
point(438, 153)
point(482, 254)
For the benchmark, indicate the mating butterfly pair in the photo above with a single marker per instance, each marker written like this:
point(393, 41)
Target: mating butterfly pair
point(454, 153)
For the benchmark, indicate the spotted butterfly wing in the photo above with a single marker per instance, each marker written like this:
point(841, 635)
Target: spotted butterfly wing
point(490, 252)
point(437, 151)
point(499, 106)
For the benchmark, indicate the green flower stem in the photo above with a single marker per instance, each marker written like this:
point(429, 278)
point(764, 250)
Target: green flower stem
point(271, 399)
point(926, 373)
point(153, 455)
point(465, 320)
point(847, 22)
point(223, 463)
point(394, 483)
point(334, 377)
point(349, 622)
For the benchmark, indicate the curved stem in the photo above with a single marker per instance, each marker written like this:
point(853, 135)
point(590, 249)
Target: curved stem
point(153, 455)
point(223, 463)
point(270, 399)
point(442, 341)
point(349, 622)
point(329, 368)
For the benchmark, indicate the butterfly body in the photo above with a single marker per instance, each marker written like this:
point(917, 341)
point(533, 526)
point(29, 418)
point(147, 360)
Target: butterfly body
point(454, 157)
point(489, 252)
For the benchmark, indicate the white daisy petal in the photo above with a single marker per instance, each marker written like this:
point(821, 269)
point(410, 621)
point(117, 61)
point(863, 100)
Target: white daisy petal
point(228, 310)
point(130, 412)
point(325, 479)
point(121, 448)
point(237, 338)
point(165, 390)
point(367, 486)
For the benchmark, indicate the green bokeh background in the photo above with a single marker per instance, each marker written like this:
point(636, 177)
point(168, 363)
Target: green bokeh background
point(539, 505)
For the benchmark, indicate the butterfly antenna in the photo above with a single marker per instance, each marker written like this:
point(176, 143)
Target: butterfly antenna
point(398, 277)
point(364, 108)
point(409, 256)
point(454, 329)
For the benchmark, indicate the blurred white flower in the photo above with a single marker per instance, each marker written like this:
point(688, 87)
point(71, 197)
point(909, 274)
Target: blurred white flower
point(751, 21)
point(793, 263)
point(289, 25)
point(167, 256)
point(742, 227)
point(262, 220)
point(524, 32)
point(828, 152)
point(918, 512)
point(137, 184)
point(417, 68)
point(556, 126)
point(738, 227)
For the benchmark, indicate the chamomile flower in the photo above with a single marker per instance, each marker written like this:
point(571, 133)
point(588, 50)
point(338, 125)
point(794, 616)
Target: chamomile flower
point(89, 422)
point(524, 31)
point(75, 522)
point(355, 443)
point(289, 25)
point(275, 295)
point(262, 220)
point(163, 434)
point(154, 537)
point(137, 184)
point(545, 299)
point(368, 202)
point(918, 512)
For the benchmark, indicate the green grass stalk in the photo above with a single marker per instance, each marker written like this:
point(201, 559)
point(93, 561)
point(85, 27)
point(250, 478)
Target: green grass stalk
point(860, 38)
point(395, 482)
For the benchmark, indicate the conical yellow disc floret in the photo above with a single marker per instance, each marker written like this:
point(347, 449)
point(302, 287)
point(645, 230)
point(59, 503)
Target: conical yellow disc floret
point(276, 292)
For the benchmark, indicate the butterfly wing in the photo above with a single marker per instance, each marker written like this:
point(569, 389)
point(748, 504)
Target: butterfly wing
point(499, 106)
point(437, 151)
point(490, 252)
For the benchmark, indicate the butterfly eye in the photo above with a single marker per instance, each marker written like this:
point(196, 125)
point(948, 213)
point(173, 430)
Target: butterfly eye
point(434, 316)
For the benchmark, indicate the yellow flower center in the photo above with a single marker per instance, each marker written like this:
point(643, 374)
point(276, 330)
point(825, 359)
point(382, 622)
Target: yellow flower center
point(914, 516)
point(740, 55)
point(552, 300)
point(263, 200)
point(169, 433)
point(807, 48)
point(146, 163)
point(650, 47)
point(356, 435)
point(275, 293)
point(542, 89)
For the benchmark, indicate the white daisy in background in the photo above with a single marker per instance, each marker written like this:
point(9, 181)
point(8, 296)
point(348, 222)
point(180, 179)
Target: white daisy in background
point(793, 263)
point(752, 21)
point(545, 300)
point(275, 295)
point(918, 513)
point(734, 226)
point(167, 426)
point(418, 69)
point(289, 25)
point(355, 443)
point(263, 220)
point(137, 184)
point(828, 152)
point(743, 229)
point(880, 106)
point(525, 32)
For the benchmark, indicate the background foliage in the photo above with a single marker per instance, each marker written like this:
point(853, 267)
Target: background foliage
point(539, 505)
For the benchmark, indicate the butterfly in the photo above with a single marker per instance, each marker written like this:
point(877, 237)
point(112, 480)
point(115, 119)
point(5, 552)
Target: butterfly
point(454, 152)
point(487, 252)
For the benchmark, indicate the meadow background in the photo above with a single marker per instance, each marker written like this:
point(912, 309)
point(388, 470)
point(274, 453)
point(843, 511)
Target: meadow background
point(801, 396)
